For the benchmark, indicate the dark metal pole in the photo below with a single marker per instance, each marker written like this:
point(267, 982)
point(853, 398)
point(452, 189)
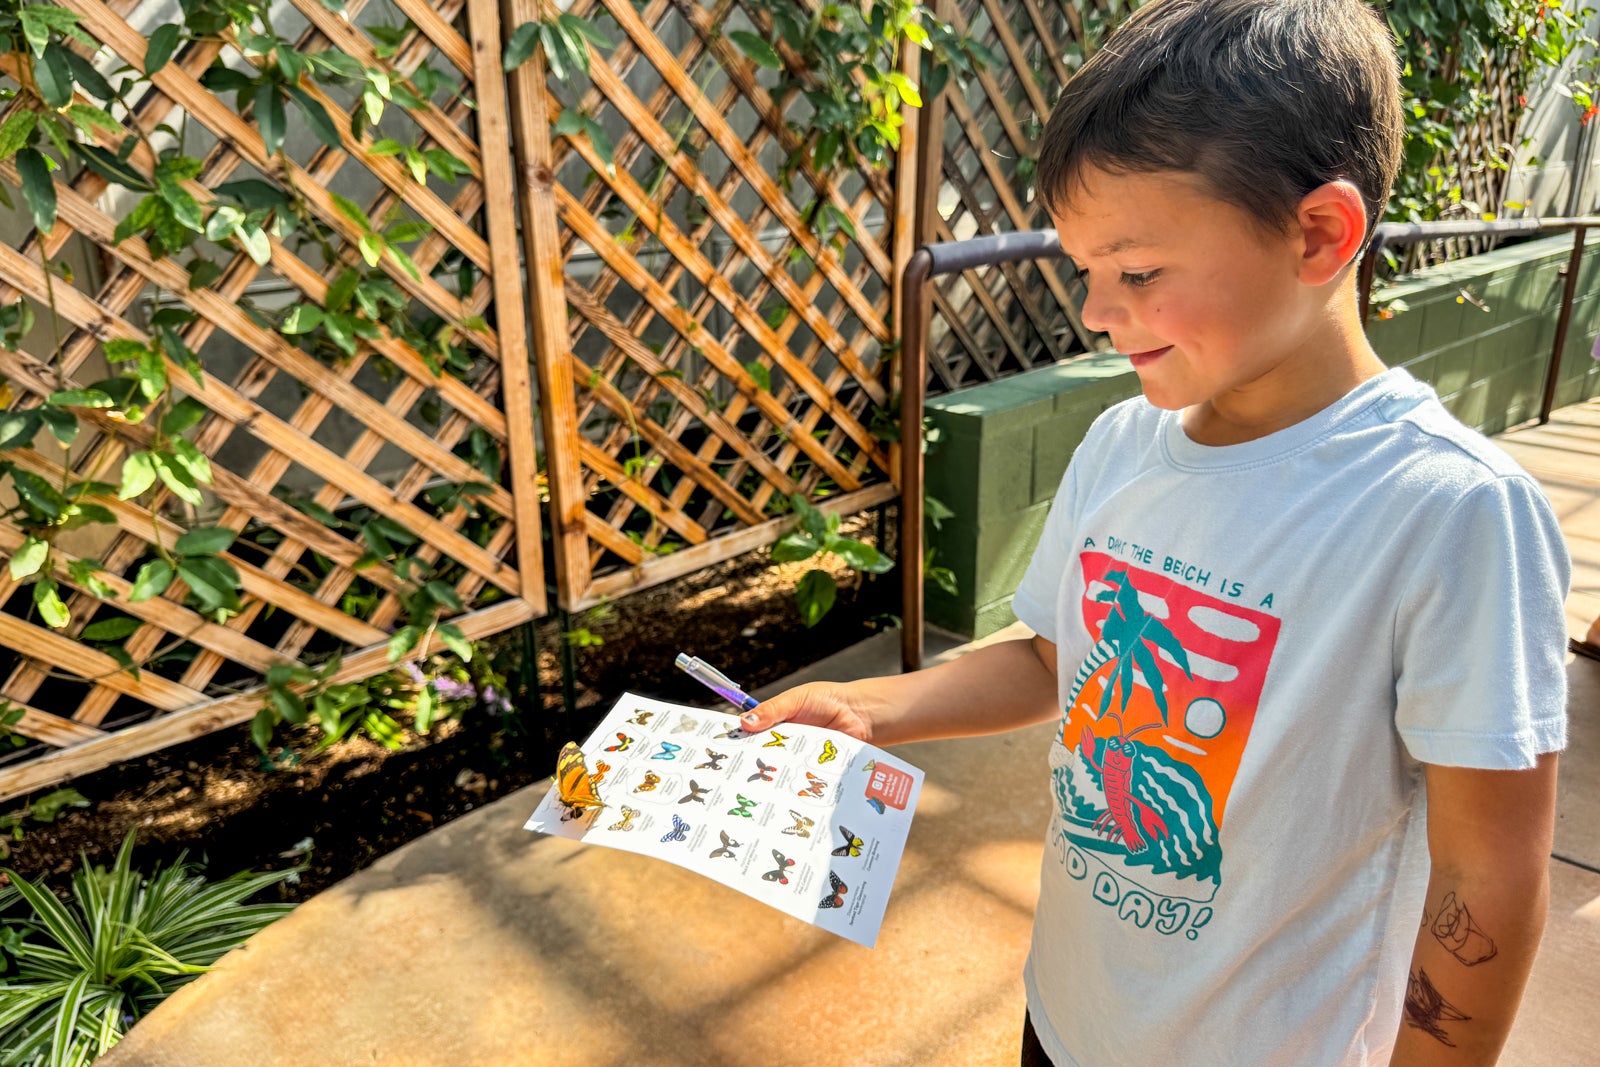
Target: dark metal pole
point(569, 665)
point(1568, 291)
point(1369, 266)
point(913, 380)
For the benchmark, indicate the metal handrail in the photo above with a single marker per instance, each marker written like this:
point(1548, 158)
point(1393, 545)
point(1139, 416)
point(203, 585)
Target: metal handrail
point(950, 257)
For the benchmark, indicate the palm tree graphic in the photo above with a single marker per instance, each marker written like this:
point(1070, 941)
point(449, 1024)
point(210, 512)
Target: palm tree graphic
point(1126, 638)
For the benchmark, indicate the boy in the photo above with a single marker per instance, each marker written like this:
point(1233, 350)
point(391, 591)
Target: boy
point(1279, 598)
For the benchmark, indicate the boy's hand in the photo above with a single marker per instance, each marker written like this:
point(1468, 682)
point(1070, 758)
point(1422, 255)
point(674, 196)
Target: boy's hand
point(835, 705)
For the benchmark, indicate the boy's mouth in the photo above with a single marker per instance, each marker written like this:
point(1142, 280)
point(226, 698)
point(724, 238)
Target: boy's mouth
point(1139, 359)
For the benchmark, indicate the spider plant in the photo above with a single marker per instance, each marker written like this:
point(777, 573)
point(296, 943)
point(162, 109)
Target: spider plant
point(82, 971)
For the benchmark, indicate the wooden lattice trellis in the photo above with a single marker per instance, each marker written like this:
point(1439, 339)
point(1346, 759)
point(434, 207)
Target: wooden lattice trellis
point(284, 412)
point(705, 354)
point(991, 322)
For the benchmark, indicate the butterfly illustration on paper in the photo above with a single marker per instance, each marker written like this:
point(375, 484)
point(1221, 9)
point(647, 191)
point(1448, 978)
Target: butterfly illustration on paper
point(622, 745)
point(829, 752)
point(685, 724)
point(814, 787)
point(714, 762)
point(651, 780)
point(626, 822)
point(781, 873)
point(679, 831)
point(733, 734)
point(574, 784)
point(875, 804)
point(728, 845)
point(777, 740)
point(802, 824)
point(763, 771)
point(697, 793)
point(599, 772)
point(852, 844)
point(668, 751)
point(834, 899)
point(641, 717)
point(746, 807)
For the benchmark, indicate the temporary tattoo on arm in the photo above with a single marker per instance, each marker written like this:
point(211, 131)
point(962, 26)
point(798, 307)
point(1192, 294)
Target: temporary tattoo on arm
point(1426, 1009)
point(1456, 931)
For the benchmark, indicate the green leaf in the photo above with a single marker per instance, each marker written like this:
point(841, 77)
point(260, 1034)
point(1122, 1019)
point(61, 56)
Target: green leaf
point(184, 414)
point(112, 629)
point(14, 133)
point(404, 640)
point(579, 25)
point(350, 210)
point(261, 729)
point(122, 350)
point(114, 170)
point(38, 493)
point(29, 558)
point(456, 642)
point(192, 460)
point(317, 115)
point(81, 398)
point(371, 246)
point(48, 601)
point(151, 581)
point(289, 705)
point(861, 556)
point(63, 425)
point(88, 78)
point(17, 428)
point(152, 375)
point(255, 194)
point(444, 594)
point(54, 76)
point(760, 374)
point(37, 188)
point(794, 547)
point(205, 541)
point(270, 117)
point(163, 42)
point(223, 222)
point(138, 474)
point(302, 318)
point(342, 289)
point(89, 118)
point(177, 479)
point(256, 244)
point(815, 596)
point(39, 19)
point(756, 47)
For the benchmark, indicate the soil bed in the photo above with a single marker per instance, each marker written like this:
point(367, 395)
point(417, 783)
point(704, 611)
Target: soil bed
point(336, 811)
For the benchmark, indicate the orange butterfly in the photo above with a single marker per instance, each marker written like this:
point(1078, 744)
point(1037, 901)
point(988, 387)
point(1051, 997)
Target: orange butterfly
point(574, 784)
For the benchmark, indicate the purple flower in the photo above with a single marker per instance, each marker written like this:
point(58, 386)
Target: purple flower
point(415, 672)
point(450, 689)
point(493, 698)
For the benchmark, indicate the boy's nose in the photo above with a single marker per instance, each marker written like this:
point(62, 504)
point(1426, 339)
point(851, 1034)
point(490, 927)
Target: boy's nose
point(1099, 313)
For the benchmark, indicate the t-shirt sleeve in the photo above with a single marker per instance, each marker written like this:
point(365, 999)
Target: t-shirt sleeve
point(1035, 600)
point(1480, 635)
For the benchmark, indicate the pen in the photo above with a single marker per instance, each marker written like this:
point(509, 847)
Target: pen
point(716, 681)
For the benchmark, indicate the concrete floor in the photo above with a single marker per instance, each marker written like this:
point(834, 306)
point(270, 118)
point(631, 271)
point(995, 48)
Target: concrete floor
point(480, 944)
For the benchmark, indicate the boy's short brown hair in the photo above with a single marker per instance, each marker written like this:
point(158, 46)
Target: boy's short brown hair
point(1264, 100)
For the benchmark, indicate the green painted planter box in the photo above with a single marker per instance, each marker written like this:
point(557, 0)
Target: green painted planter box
point(1479, 330)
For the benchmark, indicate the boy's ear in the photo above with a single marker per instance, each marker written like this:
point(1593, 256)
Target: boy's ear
point(1333, 229)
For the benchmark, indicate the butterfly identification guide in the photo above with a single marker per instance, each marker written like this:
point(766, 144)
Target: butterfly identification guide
point(807, 820)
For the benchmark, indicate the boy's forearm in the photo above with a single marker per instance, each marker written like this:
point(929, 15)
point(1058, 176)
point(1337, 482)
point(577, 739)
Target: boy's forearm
point(1470, 965)
point(996, 688)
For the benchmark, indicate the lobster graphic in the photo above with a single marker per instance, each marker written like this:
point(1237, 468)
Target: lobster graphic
point(1125, 814)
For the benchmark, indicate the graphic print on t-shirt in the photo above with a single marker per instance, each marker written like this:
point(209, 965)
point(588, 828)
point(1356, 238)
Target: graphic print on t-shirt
point(1155, 724)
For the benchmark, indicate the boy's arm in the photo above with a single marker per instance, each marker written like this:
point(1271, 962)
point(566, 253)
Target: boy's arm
point(1489, 835)
point(999, 687)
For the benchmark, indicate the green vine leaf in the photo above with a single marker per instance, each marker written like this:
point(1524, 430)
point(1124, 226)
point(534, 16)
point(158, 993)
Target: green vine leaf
point(138, 474)
point(151, 581)
point(524, 39)
point(761, 53)
point(15, 131)
point(54, 76)
point(205, 541)
point(815, 596)
point(163, 42)
point(48, 601)
point(29, 558)
point(37, 188)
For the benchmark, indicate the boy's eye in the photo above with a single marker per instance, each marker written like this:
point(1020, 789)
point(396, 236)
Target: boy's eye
point(1139, 280)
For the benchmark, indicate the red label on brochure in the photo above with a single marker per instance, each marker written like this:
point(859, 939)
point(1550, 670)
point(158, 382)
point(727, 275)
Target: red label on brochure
point(891, 786)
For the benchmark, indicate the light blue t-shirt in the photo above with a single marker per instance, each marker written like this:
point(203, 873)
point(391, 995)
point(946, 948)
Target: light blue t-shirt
point(1259, 645)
